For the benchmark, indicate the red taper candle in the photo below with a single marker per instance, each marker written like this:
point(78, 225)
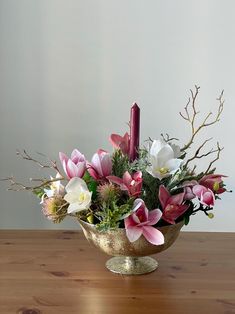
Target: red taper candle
point(134, 132)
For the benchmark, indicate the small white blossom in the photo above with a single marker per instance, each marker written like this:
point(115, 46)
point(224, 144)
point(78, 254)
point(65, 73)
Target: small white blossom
point(55, 188)
point(78, 195)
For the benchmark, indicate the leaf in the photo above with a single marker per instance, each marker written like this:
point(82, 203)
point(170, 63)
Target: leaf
point(186, 220)
point(92, 186)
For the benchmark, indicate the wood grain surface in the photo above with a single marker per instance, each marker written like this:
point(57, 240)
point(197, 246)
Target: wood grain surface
point(60, 272)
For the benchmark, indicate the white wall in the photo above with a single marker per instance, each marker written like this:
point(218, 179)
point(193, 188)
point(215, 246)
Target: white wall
point(70, 70)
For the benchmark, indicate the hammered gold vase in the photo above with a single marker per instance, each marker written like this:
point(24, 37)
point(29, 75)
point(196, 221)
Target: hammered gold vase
point(129, 258)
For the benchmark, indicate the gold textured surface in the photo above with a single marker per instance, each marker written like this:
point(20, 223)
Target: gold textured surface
point(129, 265)
point(116, 243)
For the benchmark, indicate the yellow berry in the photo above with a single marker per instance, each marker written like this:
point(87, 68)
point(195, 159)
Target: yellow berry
point(90, 219)
point(210, 215)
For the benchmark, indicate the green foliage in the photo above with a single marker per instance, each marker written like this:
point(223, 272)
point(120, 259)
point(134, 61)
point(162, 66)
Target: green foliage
point(150, 190)
point(111, 214)
point(39, 192)
point(120, 163)
point(91, 184)
point(141, 163)
point(188, 213)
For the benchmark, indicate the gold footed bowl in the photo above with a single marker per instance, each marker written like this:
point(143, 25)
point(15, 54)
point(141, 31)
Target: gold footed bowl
point(129, 258)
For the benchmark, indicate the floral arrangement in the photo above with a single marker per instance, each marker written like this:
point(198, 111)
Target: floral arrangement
point(139, 189)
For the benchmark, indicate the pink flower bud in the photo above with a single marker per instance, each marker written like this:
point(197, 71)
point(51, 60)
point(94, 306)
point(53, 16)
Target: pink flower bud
point(121, 142)
point(101, 165)
point(213, 182)
point(75, 166)
point(205, 195)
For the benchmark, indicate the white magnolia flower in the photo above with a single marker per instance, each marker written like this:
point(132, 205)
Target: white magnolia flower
point(162, 160)
point(78, 195)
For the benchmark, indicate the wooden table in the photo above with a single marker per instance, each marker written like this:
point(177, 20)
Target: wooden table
point(60, 272)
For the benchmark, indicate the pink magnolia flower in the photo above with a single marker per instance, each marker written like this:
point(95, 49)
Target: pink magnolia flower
point(74, 166)
point(188, 190)
point(121, 142)
point(101, 165)
point(213, 182)
point(130, 183)
point(171, 204)
point(141, 222)
point(205, 195)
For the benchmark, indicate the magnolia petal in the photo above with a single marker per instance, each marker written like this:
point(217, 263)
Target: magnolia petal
point(96, 164)
point(156, 146)
point(76, 184)
point(165, 154)
point(72, 170)
point(71, 198)
point(81, 168)
point(149, 169)
point(154, 216)
point(153, 235)
point(128, 221)
point(163, 196)
point(63, 157)
point(176, 199)
point(170, 215)
point(173, 165)
point(49, 193)
point(133, 233)
point(73, 208)
point(64, 164)
point(106, 164)
point(115, 180)
point(189, 183)
point(127, 178)
point(123, 187)
point(188, 194)
point(125, 145)
point(176, 150)
point(137, 175)
point(121, 142)
point(170, 220)
point(137, 204)
point(208, 198)
point(198, 190)
point(115, 140)
point(142, 214)
point(77, 156)
point(135, 218)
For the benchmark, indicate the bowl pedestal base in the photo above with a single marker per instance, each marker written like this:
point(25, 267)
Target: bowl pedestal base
point(128, 265)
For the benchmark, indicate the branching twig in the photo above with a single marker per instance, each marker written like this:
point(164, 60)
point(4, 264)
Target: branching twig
point(197, 156)
point(167, 138)
point(218, 150)
point(191, 117)
point(17, 186)
point(52, 164)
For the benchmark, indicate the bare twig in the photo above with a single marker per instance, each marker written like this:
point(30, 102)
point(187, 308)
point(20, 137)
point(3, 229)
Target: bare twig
point(17, 186)
point(218, 150)
point(167, 138)
point(190, 117)
point(197, 156)
point(52, 164)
